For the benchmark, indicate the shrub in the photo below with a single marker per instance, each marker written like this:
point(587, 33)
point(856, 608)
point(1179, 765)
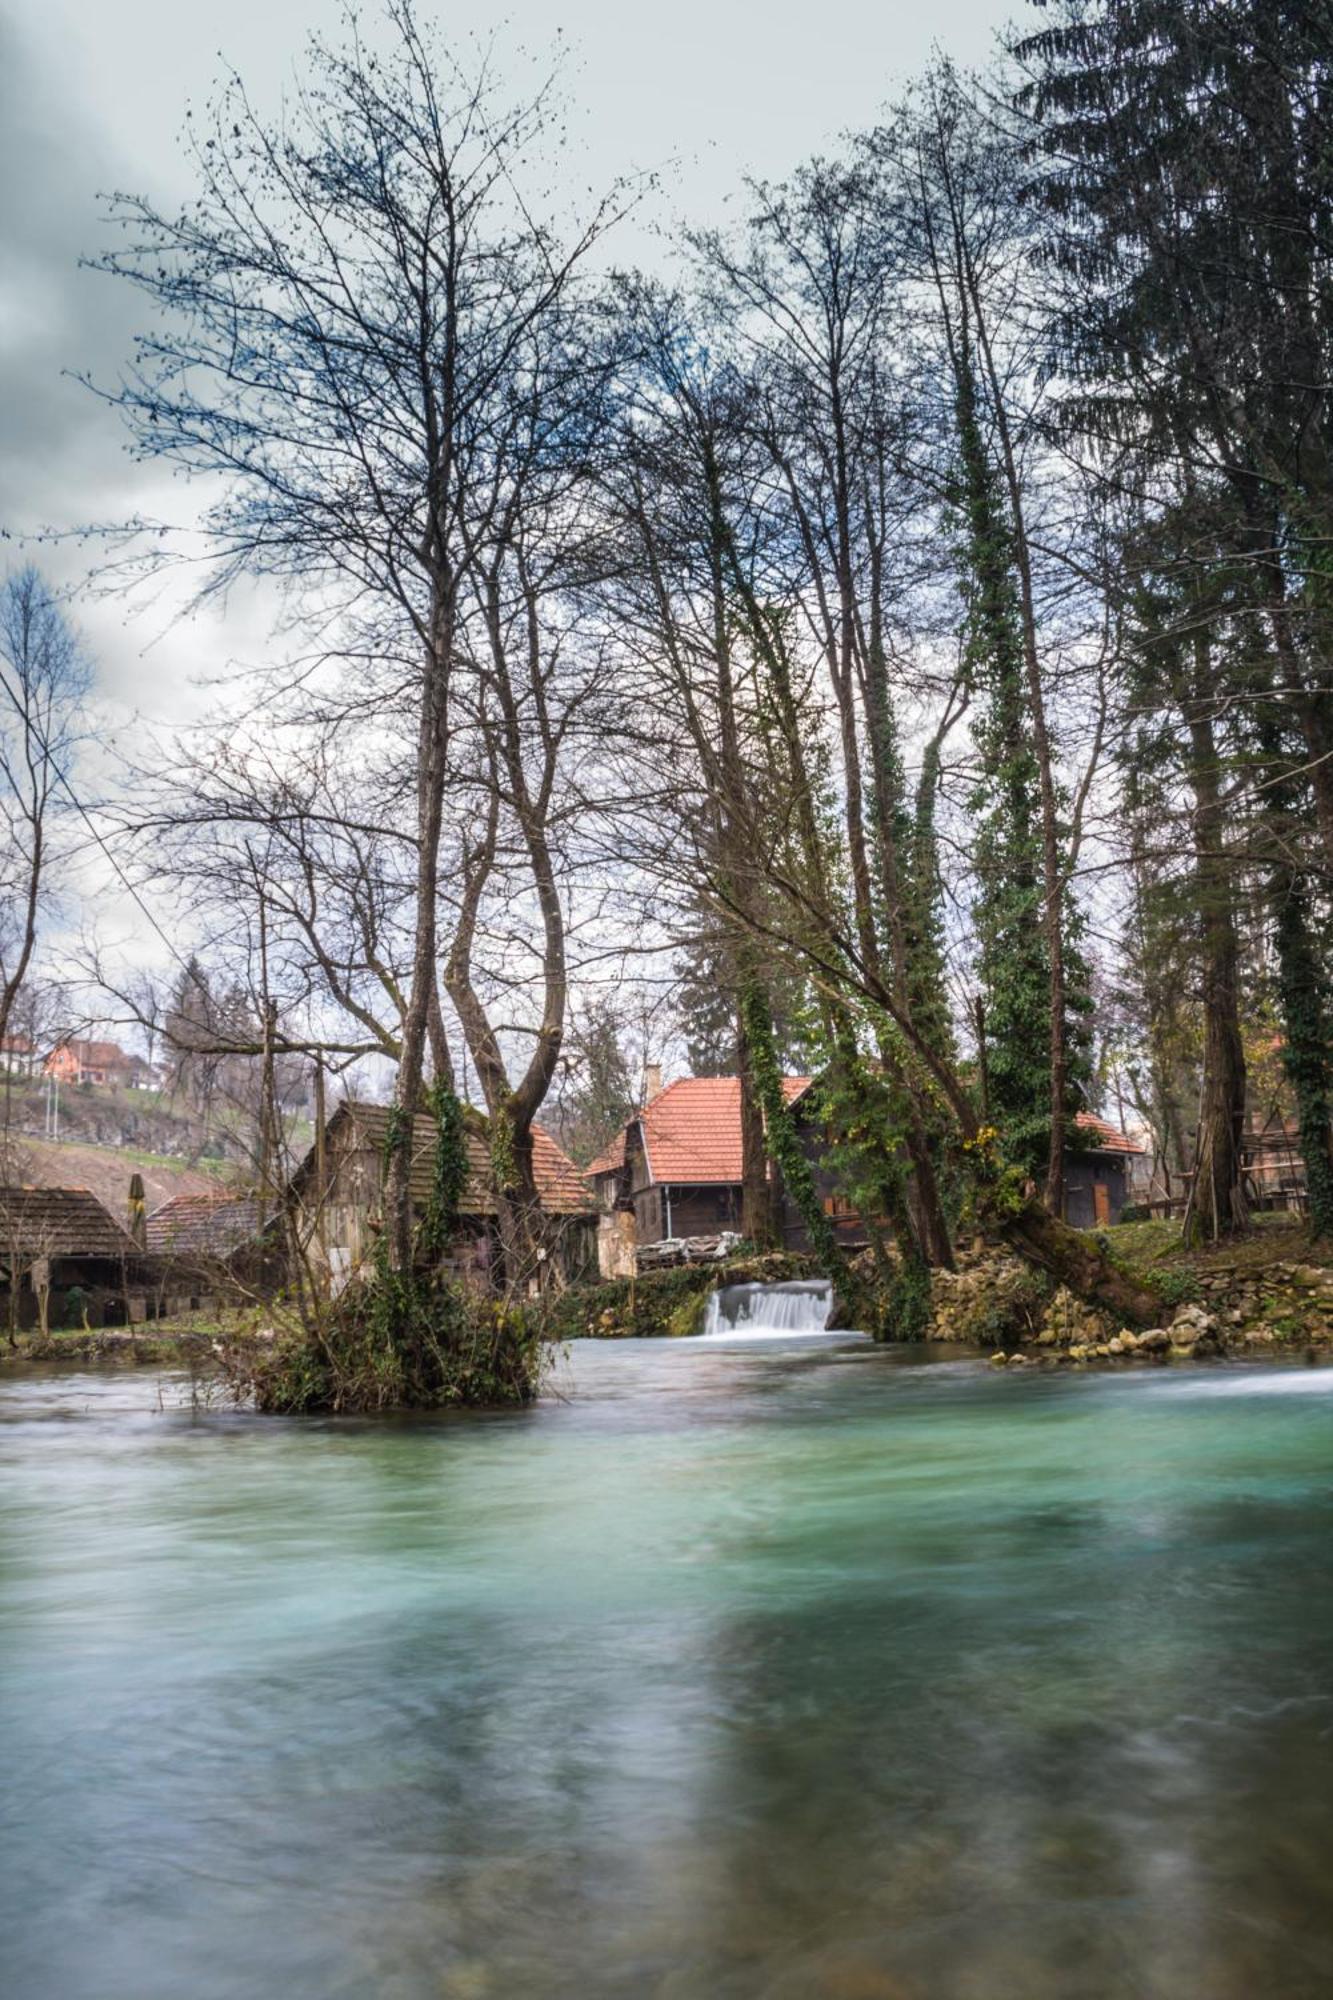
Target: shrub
point(1174, 1288)
point(396, 1344)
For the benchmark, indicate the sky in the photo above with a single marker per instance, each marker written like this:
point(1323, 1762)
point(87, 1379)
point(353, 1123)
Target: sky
point(93, 95)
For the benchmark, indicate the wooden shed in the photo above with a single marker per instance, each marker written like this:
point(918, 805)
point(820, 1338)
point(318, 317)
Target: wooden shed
point(63, 1257)
point(341, 1211)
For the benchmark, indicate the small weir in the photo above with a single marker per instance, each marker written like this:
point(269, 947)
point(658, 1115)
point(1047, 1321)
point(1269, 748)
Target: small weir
point(797, 1310)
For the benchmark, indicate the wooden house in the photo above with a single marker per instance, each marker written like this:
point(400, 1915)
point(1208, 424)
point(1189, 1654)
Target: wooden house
point(1099, 1172)
point(73, 1061)
point(340, 1202)
point(674, 1173)
point(64, 1257)
point(675, 1170)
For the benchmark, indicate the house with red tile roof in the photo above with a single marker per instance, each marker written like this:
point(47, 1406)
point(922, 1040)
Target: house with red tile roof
point(77, 1061)
point(675, 1170)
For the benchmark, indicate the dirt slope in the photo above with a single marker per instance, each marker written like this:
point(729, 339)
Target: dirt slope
point(107, 1170)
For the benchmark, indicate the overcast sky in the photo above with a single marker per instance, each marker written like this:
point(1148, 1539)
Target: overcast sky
point(93, 94)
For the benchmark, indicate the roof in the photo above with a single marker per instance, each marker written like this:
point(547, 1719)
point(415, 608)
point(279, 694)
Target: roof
point(611, 1159)
point(560, 1185)
point(692, 1130)
point(60, 1222)
point(1105, 1138)
point(208, 1225)
point(95, 1055)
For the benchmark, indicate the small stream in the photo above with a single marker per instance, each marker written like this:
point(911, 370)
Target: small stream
point(730, 1671)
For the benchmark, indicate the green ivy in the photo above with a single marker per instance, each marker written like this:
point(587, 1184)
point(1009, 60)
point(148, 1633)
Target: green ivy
point(784, 1142)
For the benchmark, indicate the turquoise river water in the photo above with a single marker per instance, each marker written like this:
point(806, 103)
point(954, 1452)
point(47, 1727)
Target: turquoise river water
point(773, 1671)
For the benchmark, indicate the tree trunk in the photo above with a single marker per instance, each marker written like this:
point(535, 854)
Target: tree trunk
point(1305, 1054)
point(1217, 1205)
point(1076, 1261)
point(432, 738)
point(522, 1231)
point(756, 1193)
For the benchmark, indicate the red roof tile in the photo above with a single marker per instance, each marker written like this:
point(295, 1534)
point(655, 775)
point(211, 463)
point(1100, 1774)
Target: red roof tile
point(204, 1224)
point(1105, 1138)
point(610, 1160)
point(692, 1129)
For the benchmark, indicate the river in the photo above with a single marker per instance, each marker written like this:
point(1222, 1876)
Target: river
point(773, 1671)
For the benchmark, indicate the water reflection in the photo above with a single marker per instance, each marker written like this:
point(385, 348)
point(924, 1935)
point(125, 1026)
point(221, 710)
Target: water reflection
point(780, 1673)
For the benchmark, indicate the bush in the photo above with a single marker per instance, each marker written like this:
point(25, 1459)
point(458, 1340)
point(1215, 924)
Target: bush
point(396, 1344)
point(1174, 1288)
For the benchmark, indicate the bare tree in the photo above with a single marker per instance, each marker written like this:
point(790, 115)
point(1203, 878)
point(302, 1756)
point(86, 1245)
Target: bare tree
point(44, 682)
point(365, 335)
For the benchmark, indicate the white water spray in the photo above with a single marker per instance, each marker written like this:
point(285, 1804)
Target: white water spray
point(798, 1310)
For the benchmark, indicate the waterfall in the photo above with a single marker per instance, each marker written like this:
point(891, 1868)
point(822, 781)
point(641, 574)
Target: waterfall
point(758, 1312)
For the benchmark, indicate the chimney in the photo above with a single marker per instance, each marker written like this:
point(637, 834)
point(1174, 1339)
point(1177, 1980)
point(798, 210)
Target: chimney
point(652, 1081)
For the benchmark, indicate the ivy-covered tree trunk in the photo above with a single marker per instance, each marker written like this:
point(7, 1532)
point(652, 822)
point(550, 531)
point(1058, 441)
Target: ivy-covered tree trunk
point(1077, 1261)
point(518, 1203)
point(783, 1140)
point(757, 1221)
point(1031, 980)
point(1303, 991)
point(1217, 1205)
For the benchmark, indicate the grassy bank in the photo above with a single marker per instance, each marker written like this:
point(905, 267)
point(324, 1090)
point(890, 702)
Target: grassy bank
point(185, 1340)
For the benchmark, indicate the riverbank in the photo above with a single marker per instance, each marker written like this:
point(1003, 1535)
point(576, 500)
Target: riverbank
point(1270, 1291)
point(186, 1341)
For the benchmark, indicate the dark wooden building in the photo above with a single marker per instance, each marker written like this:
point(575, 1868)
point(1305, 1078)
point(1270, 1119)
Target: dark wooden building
point(339, 1203)
point(675, 1173)
point(676, 1168)
point(1099, 1171)
point(63, 1258)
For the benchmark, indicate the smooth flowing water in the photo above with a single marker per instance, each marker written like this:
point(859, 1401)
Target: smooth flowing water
point(744, 1671)
point(799, 1306)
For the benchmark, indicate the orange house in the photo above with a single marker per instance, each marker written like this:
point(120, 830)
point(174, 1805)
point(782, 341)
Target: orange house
point(88, 1062)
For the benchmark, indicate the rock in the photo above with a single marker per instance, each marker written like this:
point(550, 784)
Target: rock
point(999, 1359)
point(1116, 1346)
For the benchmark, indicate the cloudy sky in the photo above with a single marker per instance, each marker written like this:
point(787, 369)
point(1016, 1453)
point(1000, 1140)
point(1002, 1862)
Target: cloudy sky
point(92, 97)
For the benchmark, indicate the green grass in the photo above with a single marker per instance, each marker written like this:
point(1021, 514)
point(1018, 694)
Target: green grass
point(1274, 1239)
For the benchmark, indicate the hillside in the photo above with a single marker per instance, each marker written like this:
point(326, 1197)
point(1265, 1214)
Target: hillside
point(106, 1170)
point(109, 1133)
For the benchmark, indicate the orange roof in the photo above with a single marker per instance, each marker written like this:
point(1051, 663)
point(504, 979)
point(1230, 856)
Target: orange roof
point(559, 1182)
point(692, 1129)
point(1106, 1138)
point(95, 1055)
point(611, 1159)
